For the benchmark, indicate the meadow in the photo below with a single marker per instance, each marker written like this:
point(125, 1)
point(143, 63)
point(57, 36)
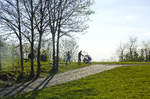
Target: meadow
point(11, 69)
point(127, 82)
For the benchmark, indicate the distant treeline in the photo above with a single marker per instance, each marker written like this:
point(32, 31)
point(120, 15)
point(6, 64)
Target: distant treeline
point(131, 51)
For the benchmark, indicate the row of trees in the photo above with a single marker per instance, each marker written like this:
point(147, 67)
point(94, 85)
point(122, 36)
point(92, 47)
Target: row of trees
point(33, 21)
point(10, 51)
point(67, 44)
point(131, 51)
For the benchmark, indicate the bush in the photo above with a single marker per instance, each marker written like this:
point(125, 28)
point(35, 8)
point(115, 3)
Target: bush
point(43, 57)
point(7, 76)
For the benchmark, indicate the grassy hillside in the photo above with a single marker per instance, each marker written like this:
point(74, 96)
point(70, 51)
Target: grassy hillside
point(121, 62)
point(129, 82)
point(10, 71)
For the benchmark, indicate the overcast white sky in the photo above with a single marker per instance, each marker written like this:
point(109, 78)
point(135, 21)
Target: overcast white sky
point(113, 22)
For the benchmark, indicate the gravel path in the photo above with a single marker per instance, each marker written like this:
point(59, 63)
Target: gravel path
point(55, 79)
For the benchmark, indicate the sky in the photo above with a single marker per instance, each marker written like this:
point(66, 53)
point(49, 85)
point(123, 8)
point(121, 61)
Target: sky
point(115, 21)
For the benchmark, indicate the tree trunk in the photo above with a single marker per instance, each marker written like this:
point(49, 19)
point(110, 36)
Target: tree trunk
point(20, 36)
point(0, 54)
point(21, 56)
point(0, 65)
point(131, 58)
point(38, 58)
point(40, 39)
point(32, 61)
point(57, 57)
point(32, 41)
point(122, 58)
point(32, 53)
point(54, 59)
point(0, 58)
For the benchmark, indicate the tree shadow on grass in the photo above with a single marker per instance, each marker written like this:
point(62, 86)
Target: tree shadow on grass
point(42, 85)
point(4, 93)
point(22, 86)
point(45, 82)
point(19, 88)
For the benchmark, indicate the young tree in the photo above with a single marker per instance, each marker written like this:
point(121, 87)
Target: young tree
point(121, 50)
point(135, 56)
point(66, 17)
point(141, 55)
point(29, 8)
point(132, 46)
point(146, 48)
point(41, 25)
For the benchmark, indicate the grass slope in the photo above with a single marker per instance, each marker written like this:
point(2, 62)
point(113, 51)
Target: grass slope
point(10, 71)
point(45, 67)
point(121, 63)
point(130, 82)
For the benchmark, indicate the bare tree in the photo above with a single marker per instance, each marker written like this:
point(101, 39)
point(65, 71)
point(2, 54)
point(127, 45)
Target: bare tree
point(29, 8)
point(121, 50)
point(132, 46)
point(41, 25)
point(146, 48)
point(134, 52)
point(141, 58)
point(66, 17)
point(69, 45)
point(11, 18)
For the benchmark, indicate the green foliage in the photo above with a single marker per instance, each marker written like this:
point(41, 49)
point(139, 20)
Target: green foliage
point(5, 76)
point(128, 82)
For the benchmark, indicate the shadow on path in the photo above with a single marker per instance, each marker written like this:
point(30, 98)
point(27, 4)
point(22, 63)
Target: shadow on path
point(45, 81)
point(6, 91)
point(25, 86)
point(42, 85)
point(20, 87)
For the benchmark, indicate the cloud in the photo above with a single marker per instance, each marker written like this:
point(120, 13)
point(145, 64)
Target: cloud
point(146, 34)
point(131, 17)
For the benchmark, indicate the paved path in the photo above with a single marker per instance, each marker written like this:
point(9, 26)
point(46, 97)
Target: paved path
point(55, 79)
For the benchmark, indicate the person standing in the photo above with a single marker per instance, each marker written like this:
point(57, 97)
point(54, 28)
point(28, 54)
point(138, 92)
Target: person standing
point(68, 57)
point(79, 57)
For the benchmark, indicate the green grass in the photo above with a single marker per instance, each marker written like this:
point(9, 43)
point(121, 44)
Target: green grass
point(130, 82)
point(45, 70)
point(120, 62)
point(13, 69)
